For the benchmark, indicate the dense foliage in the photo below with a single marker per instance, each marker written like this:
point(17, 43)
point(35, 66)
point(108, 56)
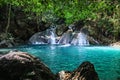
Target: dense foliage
point(102, 16)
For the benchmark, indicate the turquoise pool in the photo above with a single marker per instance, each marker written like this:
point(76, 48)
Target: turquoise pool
point(65, 57)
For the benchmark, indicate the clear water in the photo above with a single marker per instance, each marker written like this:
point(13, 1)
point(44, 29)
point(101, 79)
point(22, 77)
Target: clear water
point(64, 57)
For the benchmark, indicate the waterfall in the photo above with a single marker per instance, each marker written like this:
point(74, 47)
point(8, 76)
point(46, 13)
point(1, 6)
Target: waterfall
point(52, 39)
point(51, 35)
point(80, 39)
point(66, 37)
point(46, 37)
point(38, 38)
point(69, 37)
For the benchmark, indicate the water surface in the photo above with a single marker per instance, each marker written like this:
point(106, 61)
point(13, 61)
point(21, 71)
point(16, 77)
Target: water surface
point(65, 57)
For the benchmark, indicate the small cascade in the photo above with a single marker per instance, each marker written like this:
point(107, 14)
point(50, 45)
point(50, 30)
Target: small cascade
point(66, 37)
point(52, 39)
point(80, 39)
point(45, 37)
point(38, 38)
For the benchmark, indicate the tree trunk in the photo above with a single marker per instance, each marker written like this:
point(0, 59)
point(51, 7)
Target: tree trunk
point(9, 16)
point(37, 22)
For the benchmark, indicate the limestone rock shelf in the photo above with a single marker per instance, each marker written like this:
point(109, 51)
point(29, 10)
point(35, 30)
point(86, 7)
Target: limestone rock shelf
point(116, 44)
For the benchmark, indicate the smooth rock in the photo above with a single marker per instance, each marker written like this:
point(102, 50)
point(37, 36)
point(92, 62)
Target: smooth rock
point(18, 65)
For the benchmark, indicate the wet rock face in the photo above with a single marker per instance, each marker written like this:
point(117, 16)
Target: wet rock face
point(85, 71)
point(22, 66)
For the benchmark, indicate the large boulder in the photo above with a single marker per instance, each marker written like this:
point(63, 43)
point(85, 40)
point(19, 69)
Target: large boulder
point(85, 71)
point(22, 66)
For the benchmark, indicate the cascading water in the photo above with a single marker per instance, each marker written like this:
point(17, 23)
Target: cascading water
point(79, 38)
point(45, 37)
point(82, 39)
point(38, 38)
point(66, 37)
point(69, 37)
point(52, 39)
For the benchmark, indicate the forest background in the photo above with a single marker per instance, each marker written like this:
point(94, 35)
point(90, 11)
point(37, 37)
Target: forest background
point(20, 19)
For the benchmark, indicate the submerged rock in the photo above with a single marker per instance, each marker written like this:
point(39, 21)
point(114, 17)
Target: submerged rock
point(22, 66)
point(85, 71)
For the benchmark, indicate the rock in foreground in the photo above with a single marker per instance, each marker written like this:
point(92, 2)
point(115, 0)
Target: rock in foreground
point(22, 66)
point(85, 71)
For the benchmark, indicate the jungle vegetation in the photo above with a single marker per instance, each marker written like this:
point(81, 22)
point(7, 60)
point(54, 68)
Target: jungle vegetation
point(102, 17)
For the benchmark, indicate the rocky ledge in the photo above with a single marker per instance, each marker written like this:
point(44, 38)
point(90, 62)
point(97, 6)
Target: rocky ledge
point(18, 65)
point(116, 44)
